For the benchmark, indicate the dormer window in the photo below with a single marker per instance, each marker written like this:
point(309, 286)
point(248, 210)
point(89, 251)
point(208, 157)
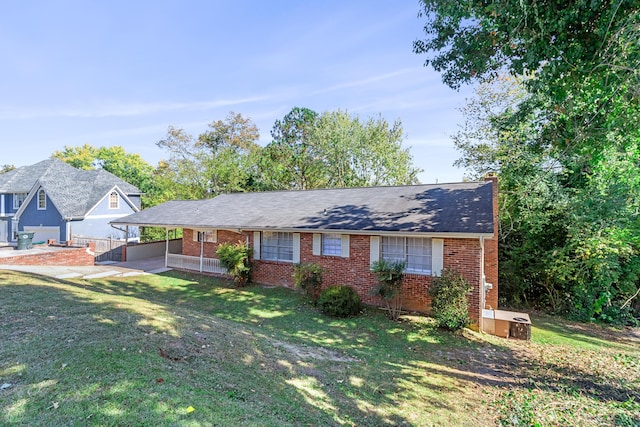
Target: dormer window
point(114, 200)
point(42, 200)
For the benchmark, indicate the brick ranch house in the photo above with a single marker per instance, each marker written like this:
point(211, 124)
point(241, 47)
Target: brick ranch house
point(429, 227)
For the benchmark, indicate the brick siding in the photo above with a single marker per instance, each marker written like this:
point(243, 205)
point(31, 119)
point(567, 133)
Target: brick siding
point(463, 255)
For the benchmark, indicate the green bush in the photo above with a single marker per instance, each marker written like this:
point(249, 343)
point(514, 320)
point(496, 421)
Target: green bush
point(389, 275)
point(449, 300)
point(339, 301)
point(235, 258)
point(308, 277)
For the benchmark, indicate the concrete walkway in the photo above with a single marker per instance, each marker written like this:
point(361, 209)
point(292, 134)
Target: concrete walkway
point(106, 269)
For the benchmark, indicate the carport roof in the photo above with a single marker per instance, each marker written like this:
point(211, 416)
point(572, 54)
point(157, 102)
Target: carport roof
point(458, 208)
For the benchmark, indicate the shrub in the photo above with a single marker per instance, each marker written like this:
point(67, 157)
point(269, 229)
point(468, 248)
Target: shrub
point(339, 301)
point(389, 275)
point(449, 300)
point(308, 277)
point(235, 258)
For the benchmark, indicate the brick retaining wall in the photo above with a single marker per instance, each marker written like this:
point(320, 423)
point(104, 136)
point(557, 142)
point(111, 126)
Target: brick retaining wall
point(53, 255)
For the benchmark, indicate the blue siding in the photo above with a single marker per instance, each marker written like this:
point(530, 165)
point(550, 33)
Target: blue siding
point(8, 203)
point(50, 217)
point(96, 223)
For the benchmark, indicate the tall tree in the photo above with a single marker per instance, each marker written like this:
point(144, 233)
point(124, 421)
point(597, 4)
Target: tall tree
point(220, 160)
point(336, 149)
point(359, 153)
point(582, 108)
point(291, 160)
point(232, 147)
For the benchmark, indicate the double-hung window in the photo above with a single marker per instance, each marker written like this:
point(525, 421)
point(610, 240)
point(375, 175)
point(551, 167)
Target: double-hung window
point(114, 200)
point(277, 246)
point(414, 252)
point(205, 236)
point(332, 244)
point(42, 200)
point(18, 200)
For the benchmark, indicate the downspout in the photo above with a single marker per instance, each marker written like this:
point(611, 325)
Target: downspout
point(121, 229)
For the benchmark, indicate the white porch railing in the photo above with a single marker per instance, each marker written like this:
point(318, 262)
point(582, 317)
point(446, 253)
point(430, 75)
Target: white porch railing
point(195, 263)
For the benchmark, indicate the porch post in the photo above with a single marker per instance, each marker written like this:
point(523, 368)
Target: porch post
point(201, 251)
point(166, 248)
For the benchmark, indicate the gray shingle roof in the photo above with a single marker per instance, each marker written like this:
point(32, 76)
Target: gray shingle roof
point(445, 208)
point(73, 191)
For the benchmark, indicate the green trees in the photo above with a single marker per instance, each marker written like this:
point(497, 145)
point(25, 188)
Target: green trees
point(335, 149)
point(291, 160)
point(308, 150)
point(220, 160)
point(564, 139)
point(362, 153)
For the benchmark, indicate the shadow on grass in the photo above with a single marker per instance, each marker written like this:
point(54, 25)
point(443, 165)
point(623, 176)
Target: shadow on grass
point(269, 348)
point(82, 351)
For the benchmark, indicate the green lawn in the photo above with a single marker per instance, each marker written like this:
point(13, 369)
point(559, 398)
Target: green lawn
point(187, 350)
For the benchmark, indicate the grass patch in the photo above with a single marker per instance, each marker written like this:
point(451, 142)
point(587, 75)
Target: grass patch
point(187, 350)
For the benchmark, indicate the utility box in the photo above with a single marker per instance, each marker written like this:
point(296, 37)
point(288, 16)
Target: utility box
point(25, 240)
point(506, 324)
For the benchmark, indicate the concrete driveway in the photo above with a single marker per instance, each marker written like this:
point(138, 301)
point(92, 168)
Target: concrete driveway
point(107, 269)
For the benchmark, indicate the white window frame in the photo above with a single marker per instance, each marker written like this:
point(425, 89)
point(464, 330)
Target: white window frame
point(419, 255)
point(408, 250)
point(114, 200)
point(42, 200)
point(208, 236)
point(332, 244)
point(277, 246)
point(18, 200)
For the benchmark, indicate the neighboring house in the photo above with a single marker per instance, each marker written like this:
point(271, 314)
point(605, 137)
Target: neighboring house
point(57, 201)
point(429, 227)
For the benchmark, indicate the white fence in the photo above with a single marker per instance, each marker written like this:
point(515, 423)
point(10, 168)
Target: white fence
point(203, 265)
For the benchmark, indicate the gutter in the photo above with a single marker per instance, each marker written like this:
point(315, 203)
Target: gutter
point(458, 235)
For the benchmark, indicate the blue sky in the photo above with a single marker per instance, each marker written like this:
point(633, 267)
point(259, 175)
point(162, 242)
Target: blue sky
point(120, 72)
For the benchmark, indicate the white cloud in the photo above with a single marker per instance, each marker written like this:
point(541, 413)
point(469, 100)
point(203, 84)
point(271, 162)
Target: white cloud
point(110, 109)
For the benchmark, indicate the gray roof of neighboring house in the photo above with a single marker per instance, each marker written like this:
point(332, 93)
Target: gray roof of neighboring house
point(465, 208)
point(73, 191)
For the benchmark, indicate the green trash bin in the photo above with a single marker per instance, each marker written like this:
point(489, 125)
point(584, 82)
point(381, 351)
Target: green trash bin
point(25, 240)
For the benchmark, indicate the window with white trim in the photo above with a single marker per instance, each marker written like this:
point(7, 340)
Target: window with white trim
point(18, 200)
point(277, 246)
point(332, 244)
point(114, 200)
point(206, 236)
point(414, 252)
point(393, 249)
point(42, 200)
